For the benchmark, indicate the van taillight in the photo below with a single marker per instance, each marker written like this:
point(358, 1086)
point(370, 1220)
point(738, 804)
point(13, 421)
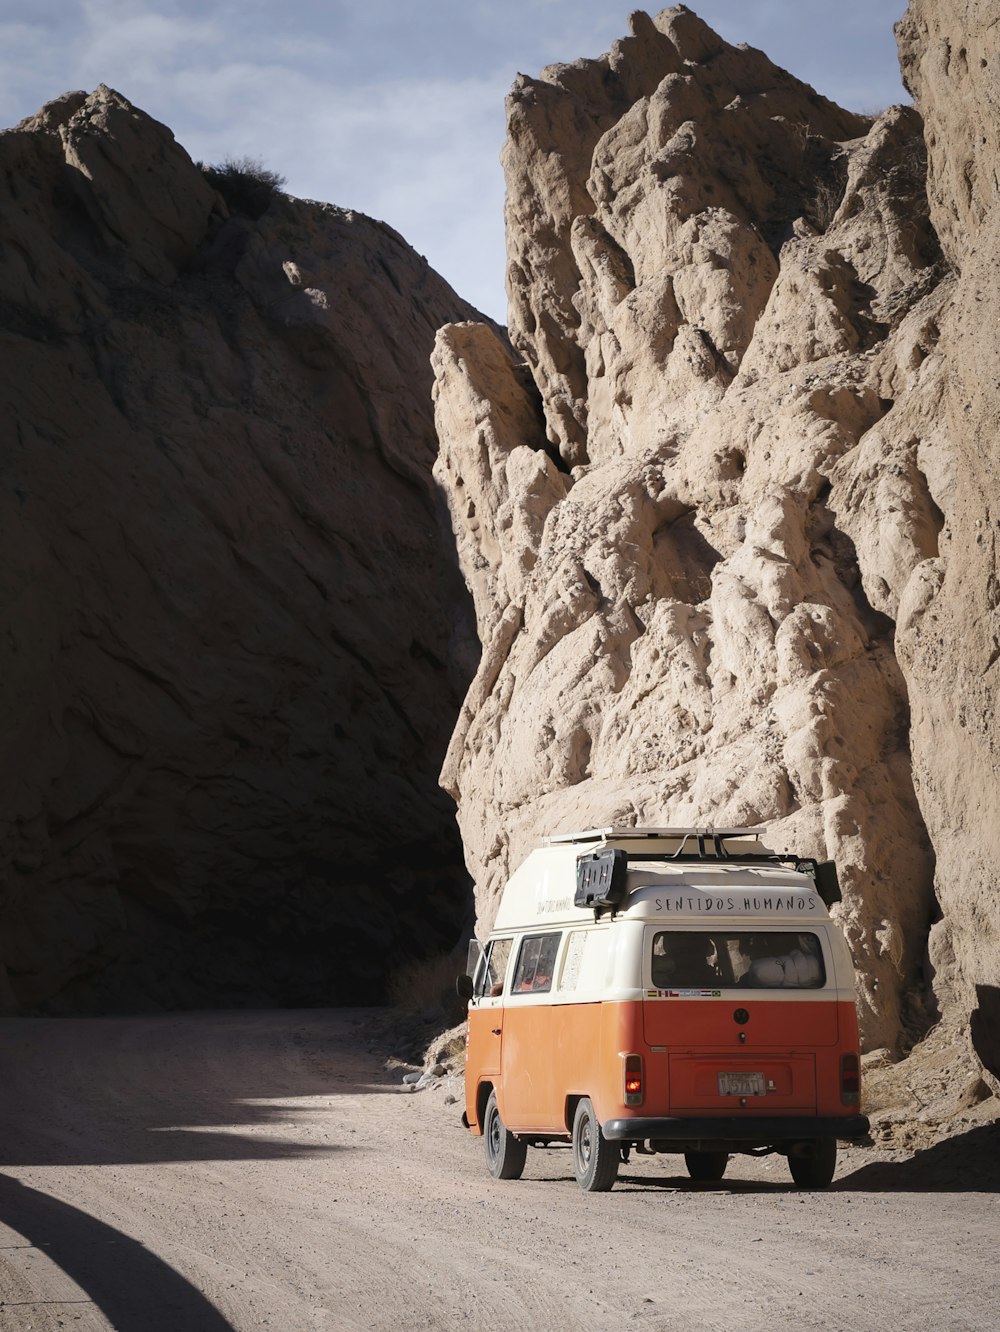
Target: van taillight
point(850, 1079)
point(633, 1079)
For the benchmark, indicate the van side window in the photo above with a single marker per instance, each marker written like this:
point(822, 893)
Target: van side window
point(768, 959)
point(535, 963)
point(489, 981)
point(573, 959)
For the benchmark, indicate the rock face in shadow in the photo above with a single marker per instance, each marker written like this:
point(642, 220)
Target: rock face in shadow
point(728, 531)
point(233, 636)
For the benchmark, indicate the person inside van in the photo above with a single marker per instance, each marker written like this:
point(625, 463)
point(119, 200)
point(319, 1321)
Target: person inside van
point(535, 964)
point(543, 976)
point(541, 979)
point(685, 960)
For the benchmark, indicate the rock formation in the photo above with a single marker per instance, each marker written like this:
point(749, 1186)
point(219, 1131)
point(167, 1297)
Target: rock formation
point(730, 530)
point(233, 637)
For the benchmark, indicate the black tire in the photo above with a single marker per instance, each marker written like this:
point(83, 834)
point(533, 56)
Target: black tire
point(706, 1165)
point(505, 1154)
point(595, 1159)
point(814, 1168)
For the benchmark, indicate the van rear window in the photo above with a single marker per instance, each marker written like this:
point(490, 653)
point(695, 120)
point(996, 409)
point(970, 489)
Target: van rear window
point(535, 963)
point(702, 959)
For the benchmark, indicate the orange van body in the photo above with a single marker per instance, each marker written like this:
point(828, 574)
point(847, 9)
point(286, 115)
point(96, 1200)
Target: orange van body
point(754, 1047)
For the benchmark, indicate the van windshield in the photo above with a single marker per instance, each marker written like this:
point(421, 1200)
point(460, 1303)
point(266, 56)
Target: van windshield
point(770, 959)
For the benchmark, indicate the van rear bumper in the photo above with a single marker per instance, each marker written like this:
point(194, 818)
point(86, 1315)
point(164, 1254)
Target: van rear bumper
point(732, 1128)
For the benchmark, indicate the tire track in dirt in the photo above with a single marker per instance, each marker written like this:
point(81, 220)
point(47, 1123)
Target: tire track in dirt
point(264, 1170)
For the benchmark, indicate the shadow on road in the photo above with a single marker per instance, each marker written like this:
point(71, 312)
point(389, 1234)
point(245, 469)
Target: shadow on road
point(135, 1290)
point(967, 1163)
point(186, 1087)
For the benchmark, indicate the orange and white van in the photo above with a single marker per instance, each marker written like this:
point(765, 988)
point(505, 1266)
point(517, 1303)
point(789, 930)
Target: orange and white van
point(663, 990)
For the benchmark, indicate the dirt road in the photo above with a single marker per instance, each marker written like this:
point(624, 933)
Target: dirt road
point(226, 1172)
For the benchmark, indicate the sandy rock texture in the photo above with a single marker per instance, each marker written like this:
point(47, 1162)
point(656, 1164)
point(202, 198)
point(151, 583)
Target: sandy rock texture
point(729, 529)
point(949, 621)
point(232, 642)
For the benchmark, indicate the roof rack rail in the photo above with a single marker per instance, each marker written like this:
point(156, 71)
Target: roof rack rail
point(641, 834)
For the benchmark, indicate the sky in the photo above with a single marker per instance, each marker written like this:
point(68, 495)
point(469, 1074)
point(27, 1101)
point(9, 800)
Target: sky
point(389, 107)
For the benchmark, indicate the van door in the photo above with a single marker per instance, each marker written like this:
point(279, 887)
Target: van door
point(486, 1023)
point(531, 1096)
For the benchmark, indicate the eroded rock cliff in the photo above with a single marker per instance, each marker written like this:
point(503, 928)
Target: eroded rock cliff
point(730, 531)
point(232, 638)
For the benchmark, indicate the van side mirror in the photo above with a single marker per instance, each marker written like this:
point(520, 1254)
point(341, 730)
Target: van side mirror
point(827, 882)
point(463, 987)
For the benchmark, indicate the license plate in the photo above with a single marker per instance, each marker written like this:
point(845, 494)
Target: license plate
point(742, 1084)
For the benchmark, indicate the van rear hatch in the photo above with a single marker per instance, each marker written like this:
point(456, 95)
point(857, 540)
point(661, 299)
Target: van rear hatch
point(735, 1016)
point(697, 1058)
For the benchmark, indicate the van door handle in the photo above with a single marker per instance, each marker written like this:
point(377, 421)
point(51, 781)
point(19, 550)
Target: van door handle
point(497, 1031)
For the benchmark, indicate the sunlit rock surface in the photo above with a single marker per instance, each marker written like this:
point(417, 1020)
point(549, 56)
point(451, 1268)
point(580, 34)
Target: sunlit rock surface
point(731, 528)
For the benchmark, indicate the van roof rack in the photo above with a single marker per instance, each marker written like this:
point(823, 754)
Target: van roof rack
point(601, 872)
point(639, 834)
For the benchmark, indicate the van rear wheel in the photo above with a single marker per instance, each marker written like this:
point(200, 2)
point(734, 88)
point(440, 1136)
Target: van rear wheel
point(595, 1159)
point(505, 1154)
point(814, 1168)
point(706, 1165)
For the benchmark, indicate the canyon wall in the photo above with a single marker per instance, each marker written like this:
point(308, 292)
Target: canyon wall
point(233, 641)
point(730, 524)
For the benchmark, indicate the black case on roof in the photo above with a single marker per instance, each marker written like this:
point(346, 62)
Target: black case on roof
point(601, 878)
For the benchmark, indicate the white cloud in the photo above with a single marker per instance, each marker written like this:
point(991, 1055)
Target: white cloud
point(385, 106)
point(121, 33)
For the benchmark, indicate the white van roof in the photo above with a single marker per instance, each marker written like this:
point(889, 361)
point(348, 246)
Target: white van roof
point(541, 891)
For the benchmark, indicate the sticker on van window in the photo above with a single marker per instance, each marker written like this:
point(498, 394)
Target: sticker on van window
point(573, 960)
point(683, 994)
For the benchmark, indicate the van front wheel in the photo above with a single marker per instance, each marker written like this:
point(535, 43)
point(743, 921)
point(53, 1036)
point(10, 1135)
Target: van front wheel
point(595, 1159)
point(814, 1168)
point(505, 1154)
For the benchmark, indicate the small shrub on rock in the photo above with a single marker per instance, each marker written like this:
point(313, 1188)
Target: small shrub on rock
point(246, 184)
